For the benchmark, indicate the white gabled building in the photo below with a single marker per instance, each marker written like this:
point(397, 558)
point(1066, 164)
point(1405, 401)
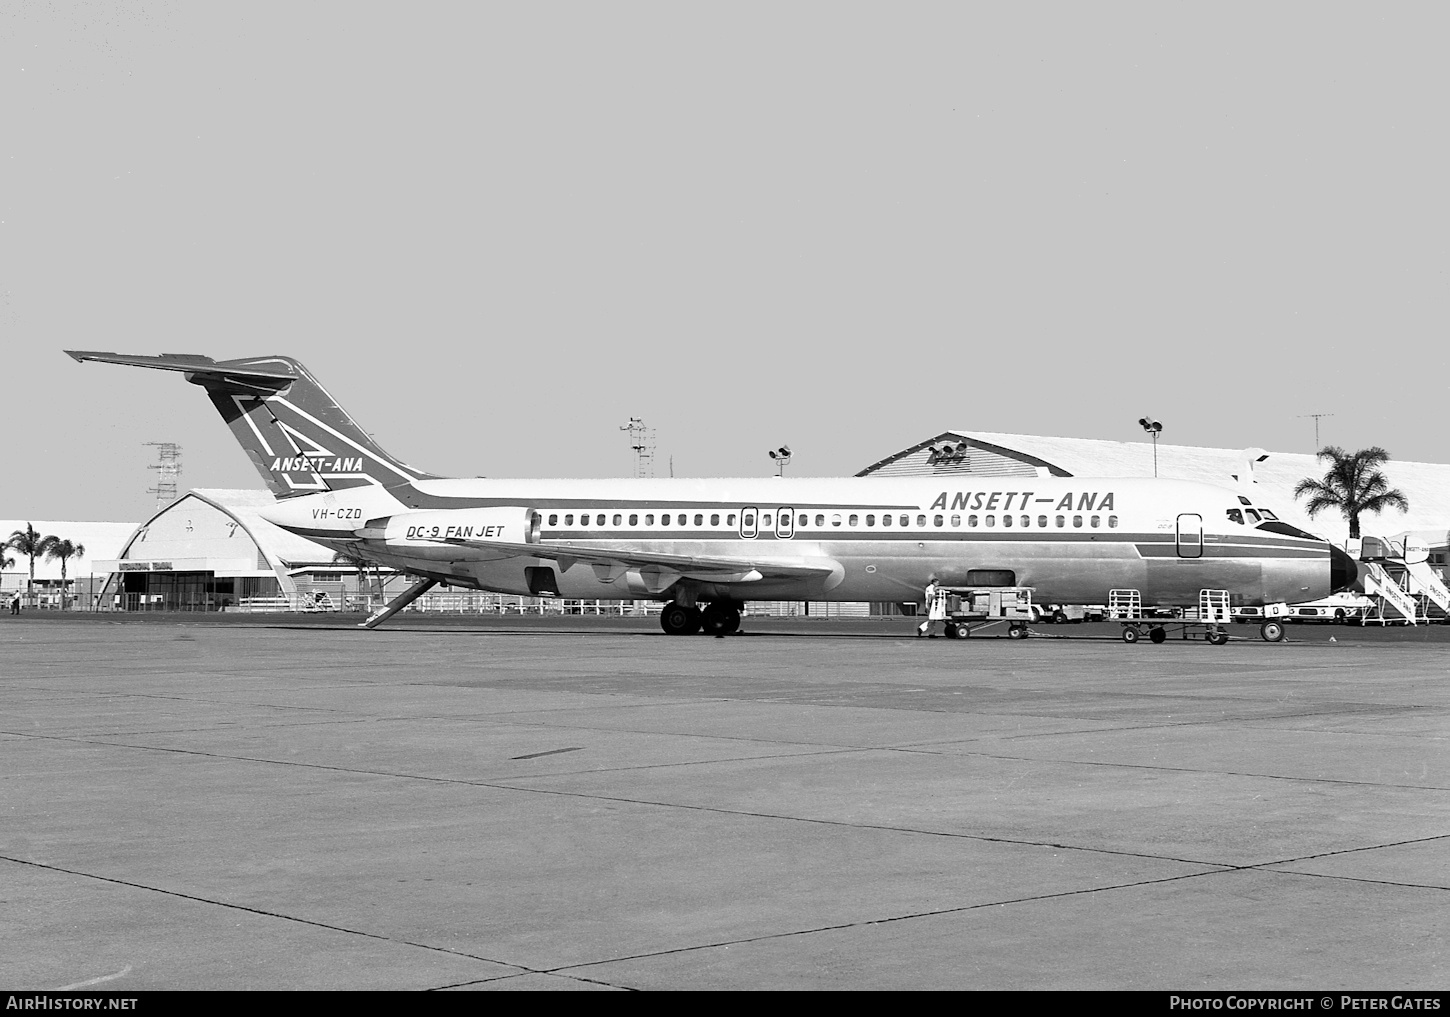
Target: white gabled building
point(209, 550)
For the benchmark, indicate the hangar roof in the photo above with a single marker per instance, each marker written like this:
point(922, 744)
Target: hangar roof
point(170, 534)
point(990, 453)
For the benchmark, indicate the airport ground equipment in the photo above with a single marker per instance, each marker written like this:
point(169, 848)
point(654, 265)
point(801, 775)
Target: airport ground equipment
point(974, 608)
point(1209, 621)
point(1423, 583)
point(1390, 603)
point(399, 602)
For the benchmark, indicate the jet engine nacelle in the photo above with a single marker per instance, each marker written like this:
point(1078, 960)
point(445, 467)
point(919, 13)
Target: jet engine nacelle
point(508, 524)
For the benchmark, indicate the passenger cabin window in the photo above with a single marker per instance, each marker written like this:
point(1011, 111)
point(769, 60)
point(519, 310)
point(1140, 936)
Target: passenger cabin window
point(937, 520)
point(971, 521)
point(1026, 520)
point(835, 519)
point(804, 520)
point(886, 519)
point(921, 520)
point(599, 519)
point(1077, 521)
point(1112, 522)
point(853, 521)
point(730, 519)
point(870, 519)
point(991, 520)
point(1094, 521)
point(904, 521)
point(714, 518)
point(956, 520)
point(820, 520)
point(699, 519)
point(1042, 521)
point(649, 518)
point(749, 520)
point(618, 519)
point(634, 519)
point(569, 519)
point(554, 519)
point(1006, 519)
point(1235, 516)
point(1061, 521)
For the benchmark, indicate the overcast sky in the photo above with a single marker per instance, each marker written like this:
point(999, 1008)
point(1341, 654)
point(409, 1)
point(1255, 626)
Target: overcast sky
point(497, 231)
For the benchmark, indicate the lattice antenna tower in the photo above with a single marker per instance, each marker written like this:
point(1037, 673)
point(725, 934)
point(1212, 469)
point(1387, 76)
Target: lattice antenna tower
point(642, 441)
point(168, 468)
point(1316, 417)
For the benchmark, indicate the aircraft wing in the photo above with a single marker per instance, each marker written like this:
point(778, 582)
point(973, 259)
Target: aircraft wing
point(610, 563)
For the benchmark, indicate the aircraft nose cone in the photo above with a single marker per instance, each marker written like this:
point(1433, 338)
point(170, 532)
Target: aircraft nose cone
point(1343, 570)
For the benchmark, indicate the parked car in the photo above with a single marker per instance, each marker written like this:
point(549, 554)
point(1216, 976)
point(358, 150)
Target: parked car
point(1064, 613)
point(1338, 609)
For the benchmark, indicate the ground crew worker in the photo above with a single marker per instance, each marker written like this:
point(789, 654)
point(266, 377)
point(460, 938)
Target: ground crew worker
point(936, 609)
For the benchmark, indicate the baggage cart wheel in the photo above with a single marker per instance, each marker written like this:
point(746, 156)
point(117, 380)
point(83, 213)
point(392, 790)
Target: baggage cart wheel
point(1158, 635)
point(1130, 633)
point(1017, 632)
point(950, 630)
point(1272, 631)
point(1218, 638)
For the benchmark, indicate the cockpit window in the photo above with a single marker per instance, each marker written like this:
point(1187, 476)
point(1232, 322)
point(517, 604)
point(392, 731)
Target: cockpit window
point(1235, 516)
point(1275, 526)
point(1267, 514)
point(1254, 515)
point(1244, 501)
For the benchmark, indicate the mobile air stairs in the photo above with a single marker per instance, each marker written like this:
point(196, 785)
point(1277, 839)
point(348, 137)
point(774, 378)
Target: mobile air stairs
point(1209, 621)
point(1402, 590)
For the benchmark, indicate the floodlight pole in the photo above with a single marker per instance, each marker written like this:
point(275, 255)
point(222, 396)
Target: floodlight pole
point(1155, 455)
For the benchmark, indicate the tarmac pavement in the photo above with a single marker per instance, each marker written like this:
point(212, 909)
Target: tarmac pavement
point(589, 804)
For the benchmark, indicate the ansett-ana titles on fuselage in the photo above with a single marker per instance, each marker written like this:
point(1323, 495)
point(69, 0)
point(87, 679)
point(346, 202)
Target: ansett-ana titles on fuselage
point(723, 542)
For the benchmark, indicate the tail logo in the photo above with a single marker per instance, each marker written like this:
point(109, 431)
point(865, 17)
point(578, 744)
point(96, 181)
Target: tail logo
point(306, 465)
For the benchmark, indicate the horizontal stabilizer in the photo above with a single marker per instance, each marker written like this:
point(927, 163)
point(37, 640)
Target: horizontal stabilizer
point(296, 435)
point(190, 363)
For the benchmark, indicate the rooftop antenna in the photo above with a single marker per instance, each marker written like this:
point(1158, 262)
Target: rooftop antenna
point(781, 456)
point(1316, 417)
point(1153, 427)
point(642, 441)
point(168, 468)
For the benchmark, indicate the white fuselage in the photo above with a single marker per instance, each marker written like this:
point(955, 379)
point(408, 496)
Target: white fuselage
point(1071, 539)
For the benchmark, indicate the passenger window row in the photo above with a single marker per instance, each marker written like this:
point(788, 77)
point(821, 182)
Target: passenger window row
point(603, 520)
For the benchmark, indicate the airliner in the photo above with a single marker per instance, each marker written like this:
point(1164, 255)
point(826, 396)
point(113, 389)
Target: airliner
point(707, 547)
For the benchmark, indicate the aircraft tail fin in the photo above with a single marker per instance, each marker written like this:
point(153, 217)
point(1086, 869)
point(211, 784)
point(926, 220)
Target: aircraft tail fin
point(295, 433)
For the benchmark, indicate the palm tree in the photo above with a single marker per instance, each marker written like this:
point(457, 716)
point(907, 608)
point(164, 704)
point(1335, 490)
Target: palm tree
point(5, 560)
point(28, 543)
point(1353, 484)
point(54, 548)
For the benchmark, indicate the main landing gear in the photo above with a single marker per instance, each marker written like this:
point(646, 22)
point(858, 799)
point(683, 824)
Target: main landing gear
point(717, 619)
